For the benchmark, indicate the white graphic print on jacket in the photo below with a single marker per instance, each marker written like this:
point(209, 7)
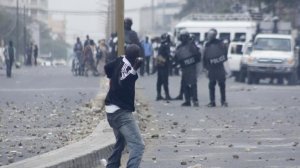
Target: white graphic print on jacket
point(127, 69)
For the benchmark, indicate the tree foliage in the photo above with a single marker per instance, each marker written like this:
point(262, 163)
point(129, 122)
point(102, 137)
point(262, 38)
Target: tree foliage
point(285, 9)
point(205, 6)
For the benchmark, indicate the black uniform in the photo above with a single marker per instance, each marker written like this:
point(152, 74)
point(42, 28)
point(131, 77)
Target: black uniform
point(29, 55)
point(215, 54)
point(188, 55)
point(35, 54)
point(9, 59)
point(163, 60)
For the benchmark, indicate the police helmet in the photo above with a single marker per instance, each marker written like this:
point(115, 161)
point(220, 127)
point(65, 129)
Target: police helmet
point(165, 38)
point(184, 35)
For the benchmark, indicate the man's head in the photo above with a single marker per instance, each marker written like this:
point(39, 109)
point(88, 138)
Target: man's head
point(87, 37)
point(184, 36)
point(113, 35)
point(147, 39)
point(132, 53)
point(78, 39)
point(127, 23)
point(10, 43)
point(165, 38)
point(212, 34)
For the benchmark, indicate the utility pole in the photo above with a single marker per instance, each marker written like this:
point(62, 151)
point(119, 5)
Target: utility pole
point(152, 15)
point(25, 35)
point(17, 33)
point(119, 18)
point(108, 22)
point(113, 15)
point(164, 11)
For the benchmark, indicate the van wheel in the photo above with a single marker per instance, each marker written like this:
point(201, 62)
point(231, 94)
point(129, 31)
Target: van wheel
point(293, 78)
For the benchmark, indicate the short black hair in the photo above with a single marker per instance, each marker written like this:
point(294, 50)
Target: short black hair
point(128, 21)
point(132, 52)
point(214, 30)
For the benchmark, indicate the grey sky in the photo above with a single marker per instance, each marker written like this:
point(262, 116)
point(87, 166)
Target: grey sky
point(133, 4)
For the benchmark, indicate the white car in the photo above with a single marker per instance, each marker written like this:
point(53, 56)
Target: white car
point(273, 56)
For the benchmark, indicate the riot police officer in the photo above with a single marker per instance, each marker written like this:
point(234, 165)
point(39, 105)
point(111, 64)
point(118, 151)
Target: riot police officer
point(162, 64)
point(188, 55)
point(215, 54)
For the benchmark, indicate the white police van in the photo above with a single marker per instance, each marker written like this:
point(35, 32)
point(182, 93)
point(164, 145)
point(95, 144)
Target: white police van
point(230, 27)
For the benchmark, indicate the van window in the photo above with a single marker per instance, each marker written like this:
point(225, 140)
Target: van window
point(236, 49)
point(225, 36)
point(240, 37)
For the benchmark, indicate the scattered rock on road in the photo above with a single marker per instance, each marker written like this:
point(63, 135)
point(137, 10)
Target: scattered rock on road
point(235, 156)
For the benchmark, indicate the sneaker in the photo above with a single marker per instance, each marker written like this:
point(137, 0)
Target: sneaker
point(186, 104)
point(211, 104)
point(224, 104)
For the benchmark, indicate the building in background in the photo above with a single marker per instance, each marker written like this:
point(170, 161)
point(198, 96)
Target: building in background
point(33, 13)
point(36, 9)
point(58, 28)
point(163, 18)
point(156, 18)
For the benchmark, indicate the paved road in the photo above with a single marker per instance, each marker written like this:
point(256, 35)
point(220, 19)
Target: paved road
point(259, 129)
point(41, 109)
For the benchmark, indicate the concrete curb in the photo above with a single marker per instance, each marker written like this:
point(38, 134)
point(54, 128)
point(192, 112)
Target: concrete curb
point(83, 154)
point(86, 153)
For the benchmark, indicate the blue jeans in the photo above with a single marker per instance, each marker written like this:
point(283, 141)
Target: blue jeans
point(127, 131)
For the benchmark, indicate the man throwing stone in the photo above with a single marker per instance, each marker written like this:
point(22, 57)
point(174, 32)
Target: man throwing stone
point(119, 105)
